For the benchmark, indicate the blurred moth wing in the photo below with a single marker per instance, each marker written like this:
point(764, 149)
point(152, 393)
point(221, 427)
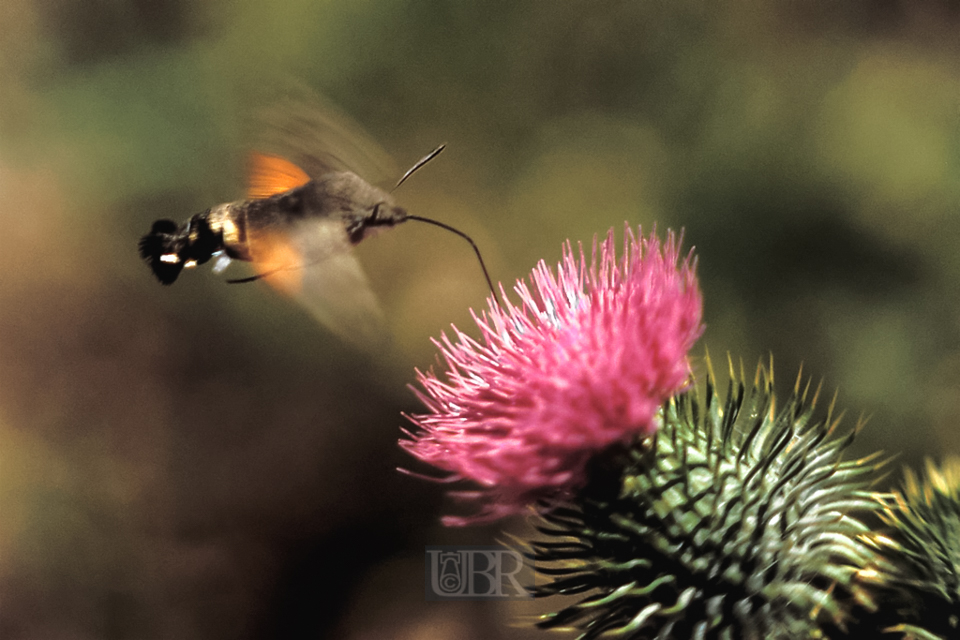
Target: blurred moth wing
point(303, 128)
point(338, 295)
point(310, 259)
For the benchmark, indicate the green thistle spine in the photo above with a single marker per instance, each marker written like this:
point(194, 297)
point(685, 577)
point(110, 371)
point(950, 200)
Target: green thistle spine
point(736, 520)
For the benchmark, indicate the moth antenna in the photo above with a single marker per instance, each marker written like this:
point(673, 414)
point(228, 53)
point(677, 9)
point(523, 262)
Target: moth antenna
point(422, 161)
point(459, 233)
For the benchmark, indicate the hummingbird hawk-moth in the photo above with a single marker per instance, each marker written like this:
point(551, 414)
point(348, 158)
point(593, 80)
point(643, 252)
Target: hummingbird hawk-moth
point(296, 227)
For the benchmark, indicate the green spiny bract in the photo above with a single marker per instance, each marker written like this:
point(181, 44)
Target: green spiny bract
point(736, 520)
point(923, 543)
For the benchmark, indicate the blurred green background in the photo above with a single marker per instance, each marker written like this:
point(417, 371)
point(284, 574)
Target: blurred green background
point(204, 461)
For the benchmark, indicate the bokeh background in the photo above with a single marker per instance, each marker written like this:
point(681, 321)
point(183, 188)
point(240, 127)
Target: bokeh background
point(204, 461)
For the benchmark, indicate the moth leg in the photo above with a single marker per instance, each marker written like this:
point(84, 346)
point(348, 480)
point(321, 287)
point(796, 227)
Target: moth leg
point(248, 279)
point(256, 276)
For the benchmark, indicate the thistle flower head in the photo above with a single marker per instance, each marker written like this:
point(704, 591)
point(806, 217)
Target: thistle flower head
point(923, 543)
point(584, 361)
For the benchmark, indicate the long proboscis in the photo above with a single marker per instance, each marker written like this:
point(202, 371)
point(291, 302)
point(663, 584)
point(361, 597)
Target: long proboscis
point(422, 161)
point(473, 244)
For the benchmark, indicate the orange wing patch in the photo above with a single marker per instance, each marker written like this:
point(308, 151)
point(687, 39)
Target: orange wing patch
point(270, 175)
point(277, 261)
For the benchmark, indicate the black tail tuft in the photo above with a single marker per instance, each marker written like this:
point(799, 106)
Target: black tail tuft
point(159, 249)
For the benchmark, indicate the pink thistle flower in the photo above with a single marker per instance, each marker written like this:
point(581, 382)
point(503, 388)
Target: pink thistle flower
point(584, 362)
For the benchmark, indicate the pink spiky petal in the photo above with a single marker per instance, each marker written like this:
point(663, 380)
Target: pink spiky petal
point(583, 362)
